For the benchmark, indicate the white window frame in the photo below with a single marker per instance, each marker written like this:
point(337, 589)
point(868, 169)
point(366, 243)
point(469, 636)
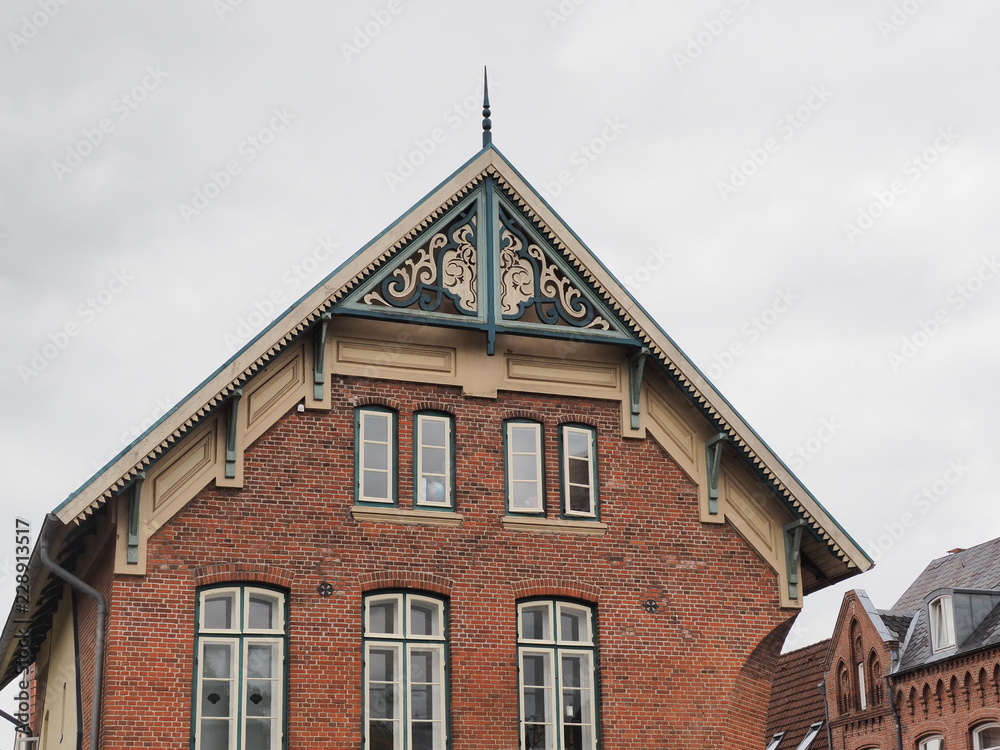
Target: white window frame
point(591, 435)
point(942, 623)
point(403, 641)
point(862, 694)
point(539, 464)
point(933, 742)
point(239, 638)
point(419, 496)
point(977, 735)
point(554, 648)
point(390, 447)
point(775, 741)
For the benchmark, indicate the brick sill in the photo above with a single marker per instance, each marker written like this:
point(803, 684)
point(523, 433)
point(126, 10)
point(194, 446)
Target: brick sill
point(554, 526)
point(403, 515)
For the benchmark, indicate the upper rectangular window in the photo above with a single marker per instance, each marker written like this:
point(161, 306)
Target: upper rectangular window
point(578, 471)
point(375, 456)
point(942, 623)
point(525, 480)
point(240, 691)
point(434, 461)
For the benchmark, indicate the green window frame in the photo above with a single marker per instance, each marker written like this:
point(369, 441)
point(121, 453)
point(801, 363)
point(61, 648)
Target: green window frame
point(557, 675)
point(241, 649)
point(375, 456)
point(434, 461)
point(578, 470)
point(524, 467)
point(405, 646)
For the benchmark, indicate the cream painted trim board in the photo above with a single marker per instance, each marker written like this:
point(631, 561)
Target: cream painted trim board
point(554, 526)
point(405, 515)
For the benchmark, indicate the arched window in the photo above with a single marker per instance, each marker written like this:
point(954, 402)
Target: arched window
point(875, 678)
point(556, 648)
point(405, 639)
point(986, 737)
point(843, 688)
point(931, 742)
point(240, 682)
point(857, 659)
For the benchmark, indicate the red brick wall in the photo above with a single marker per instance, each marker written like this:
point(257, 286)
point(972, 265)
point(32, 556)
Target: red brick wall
point(670, 679)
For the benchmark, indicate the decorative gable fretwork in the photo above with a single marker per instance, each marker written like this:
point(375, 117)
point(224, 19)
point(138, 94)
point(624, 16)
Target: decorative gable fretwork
point(484, 265)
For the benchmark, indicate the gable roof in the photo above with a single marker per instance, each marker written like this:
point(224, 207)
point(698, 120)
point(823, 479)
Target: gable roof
point(796, 700)
point(974, 568)
point(337, 293)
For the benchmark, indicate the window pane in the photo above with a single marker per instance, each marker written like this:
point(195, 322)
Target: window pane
point(423, 665)
point(382, 702)
point(432, 490)
point(259, 734)
point(432, 431)
point(262, 613)
point(535, 623)
point(578, 444)
point(375, 426)
point(579, 471)
point(988, 737)
point(260, 659)
point(572, 675)
point(524, 439)
point(214, 734)
point(534, 670)
point(525, 495)
point(382, 617)
point(375, 484)
point(579, 499)
point(573, 625)
point(259, 697)
point(383, 735)
point(537, 737)
point(217, 660)
point(376, 456)
point(382, 665)
point(425, 736)
point(432, 460)
point(216, 698)
point(218, 611)
point(524, 468)
point(425, 618)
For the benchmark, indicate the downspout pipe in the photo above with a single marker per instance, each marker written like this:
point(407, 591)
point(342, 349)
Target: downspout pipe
point(826, 711)
point(102, 610)
point(895, 713)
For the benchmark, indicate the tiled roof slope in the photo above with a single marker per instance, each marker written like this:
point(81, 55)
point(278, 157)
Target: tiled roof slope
point(796, 701)
point(975, 568)
point(897, 622)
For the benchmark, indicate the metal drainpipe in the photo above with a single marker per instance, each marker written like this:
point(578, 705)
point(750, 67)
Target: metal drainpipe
point(102, 607)
point(826, 711)
point(895, 713)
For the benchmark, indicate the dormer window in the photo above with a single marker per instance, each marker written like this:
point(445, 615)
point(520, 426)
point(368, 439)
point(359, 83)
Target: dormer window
point(942, 624)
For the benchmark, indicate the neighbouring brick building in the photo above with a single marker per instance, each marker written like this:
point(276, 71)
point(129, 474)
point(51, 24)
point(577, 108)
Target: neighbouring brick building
point(463, 494)
point(924, 675)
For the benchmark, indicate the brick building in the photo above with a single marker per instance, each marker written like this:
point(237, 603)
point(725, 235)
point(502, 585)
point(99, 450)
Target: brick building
point(924, 675)
point(463, 494)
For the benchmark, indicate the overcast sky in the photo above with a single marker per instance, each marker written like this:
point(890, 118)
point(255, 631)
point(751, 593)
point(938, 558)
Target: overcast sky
point(802, 194)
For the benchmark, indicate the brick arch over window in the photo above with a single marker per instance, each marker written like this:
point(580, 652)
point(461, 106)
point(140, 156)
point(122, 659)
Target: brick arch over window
point(939, 697)
point(559, 587)
point(534, 416)
point(744, 724)
point(244, 572)
point(996, 681)
point(440, 406)
point(953, 692)
point(578, 419)
point(875, 677)
point(388, 403)
point(843, 687)
point(390, 579)
point(982, 686)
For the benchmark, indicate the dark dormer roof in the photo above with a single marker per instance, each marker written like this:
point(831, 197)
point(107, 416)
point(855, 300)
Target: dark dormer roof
point(976, 616)
point(974, 568)
point(897, 622)
point(796, 700)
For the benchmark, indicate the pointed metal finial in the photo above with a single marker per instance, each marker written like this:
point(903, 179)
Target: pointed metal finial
point(487, 125)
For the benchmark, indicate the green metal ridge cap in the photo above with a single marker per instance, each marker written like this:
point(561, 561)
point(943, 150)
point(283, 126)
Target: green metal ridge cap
point(676, 358)
point(278, 333)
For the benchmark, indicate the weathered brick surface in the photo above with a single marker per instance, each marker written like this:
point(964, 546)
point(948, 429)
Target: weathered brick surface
point(686, 676)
